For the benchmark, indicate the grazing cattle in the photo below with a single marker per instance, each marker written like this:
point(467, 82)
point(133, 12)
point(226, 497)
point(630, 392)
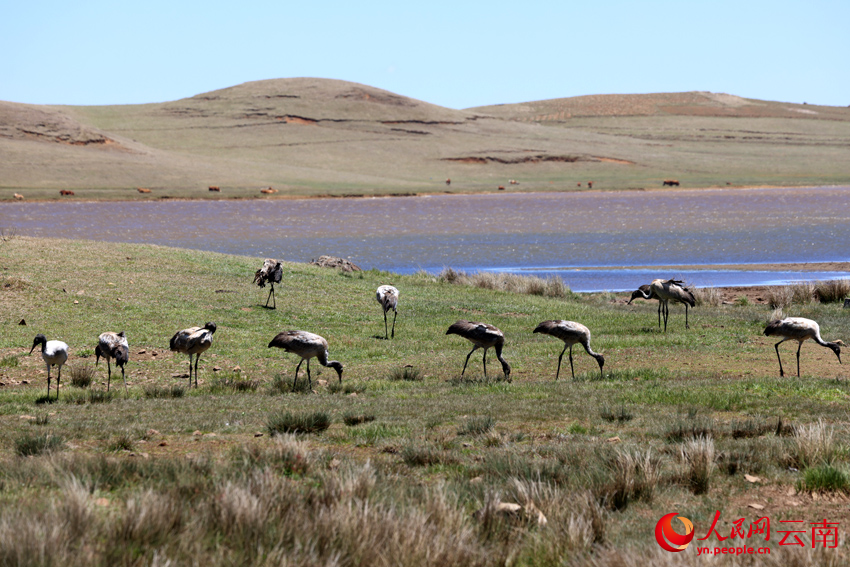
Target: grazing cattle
point(670, 183)
point(448, 181)
point(501, 187)
point(578, 184)
point(215, 188)
point(19, 197)
point(142, 190)
point(590, 184)
point(514, 182)
point(268, 191)
point(65, 192)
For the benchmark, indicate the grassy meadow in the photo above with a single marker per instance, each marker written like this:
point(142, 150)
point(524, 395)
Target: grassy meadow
point(404, 462)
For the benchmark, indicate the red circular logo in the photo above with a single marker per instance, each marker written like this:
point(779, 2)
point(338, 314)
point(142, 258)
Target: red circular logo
point(664, 533)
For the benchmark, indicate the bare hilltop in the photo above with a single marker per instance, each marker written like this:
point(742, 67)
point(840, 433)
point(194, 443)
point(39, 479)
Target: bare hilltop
point(315, 137)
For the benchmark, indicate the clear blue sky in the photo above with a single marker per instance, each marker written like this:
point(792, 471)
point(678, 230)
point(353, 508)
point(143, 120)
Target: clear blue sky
point(452, 53)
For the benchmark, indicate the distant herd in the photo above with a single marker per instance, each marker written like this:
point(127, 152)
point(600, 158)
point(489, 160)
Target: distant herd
point(271, 190)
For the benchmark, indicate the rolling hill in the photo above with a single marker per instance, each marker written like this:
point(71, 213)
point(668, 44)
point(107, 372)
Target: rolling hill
point(325, 137)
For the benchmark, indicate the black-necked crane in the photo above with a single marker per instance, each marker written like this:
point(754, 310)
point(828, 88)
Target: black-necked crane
point(571, 333)
point(270, 273)
point(306, 345)
point(481, 335)
point(387, 296)
point(54, 353)
point(645, 292)
point(798, 329)
point(665, 291)
point(113, 346)
point(193, 340)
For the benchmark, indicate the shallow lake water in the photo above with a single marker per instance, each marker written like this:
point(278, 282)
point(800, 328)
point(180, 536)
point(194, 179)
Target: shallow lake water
point(534, 233)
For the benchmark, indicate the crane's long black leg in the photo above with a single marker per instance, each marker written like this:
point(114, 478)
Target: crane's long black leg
point(309, 380)
point(48, 383)
point(776, 346)
point(571, 363)
point(109, 374)
point(799, 346)
point(269, 296)
point(659, 313)
point(58, 380)
point(124, 379)
point(190, 370)
point(395, 314)
point(295, 381)
point(559, 361)
point(197, 358)
point(666, 315)
point(386, 330)
point(467, 360)
point(687, 326)
point(485, 363)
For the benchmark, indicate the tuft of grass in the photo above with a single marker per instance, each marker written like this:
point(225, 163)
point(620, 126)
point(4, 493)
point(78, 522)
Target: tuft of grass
point(42, 419)
point(123, 442)
point(352, 419)
point(299, 423)
point(31, 444)
point(690, 427)
point(82, 397)
point(814, 444)
point(514, 283)
point(407, 374)
point(477, 426)
point(82, 375)
point(633, 476)
point(824, 478)
point(779, 297)
point(619, 415)
point(10, 361)
point(832, 291)
point(424, 456)
point(154, 391)
point(706, 296)
point(234, 383)
point(803, 292)
point(750, 428)
point(698, 456)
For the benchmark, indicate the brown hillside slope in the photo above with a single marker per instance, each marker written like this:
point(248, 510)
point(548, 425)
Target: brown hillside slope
point(661, 104)
point(320, 136)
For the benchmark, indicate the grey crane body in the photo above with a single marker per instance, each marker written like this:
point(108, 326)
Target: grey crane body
point(571, 333)
point(387, 297)
point(271, 273)
point(799, 329)
point(665, 291)
point(481, 335)
point(306, 345)
point(54, 353)
point(113, 346)
point(193, 341)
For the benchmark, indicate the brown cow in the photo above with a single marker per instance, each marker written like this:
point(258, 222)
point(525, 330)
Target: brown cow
point(19, 197)
point(215, 188)
point(590, 184)
point(501, 187)
point(268, 191)
point(578, 184)
point(670, 183)
point(448, 181)
point(142, 190)
point(66, 192)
